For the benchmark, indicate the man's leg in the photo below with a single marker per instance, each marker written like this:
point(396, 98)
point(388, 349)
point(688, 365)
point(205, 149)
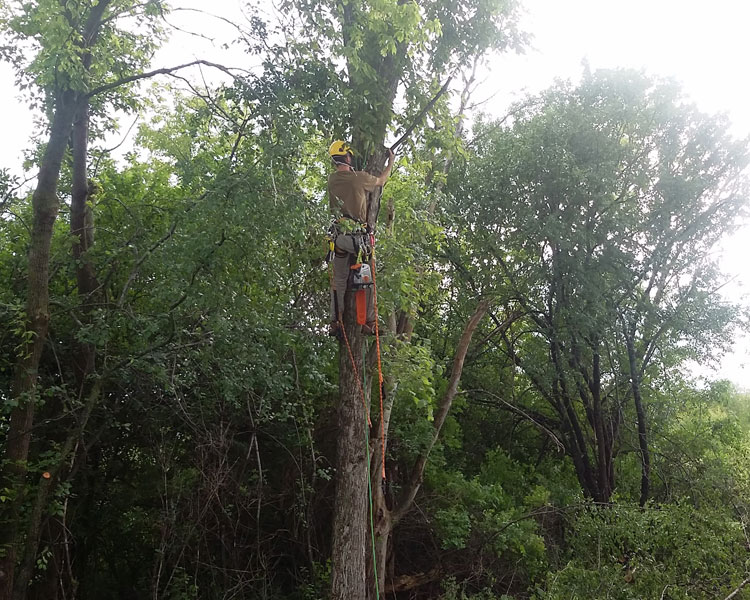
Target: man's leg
point(341, 263)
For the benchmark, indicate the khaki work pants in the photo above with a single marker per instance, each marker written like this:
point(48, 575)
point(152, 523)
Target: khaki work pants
point(346, 247)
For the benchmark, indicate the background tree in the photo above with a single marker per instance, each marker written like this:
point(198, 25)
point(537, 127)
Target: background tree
point(72, 67)
point(596, 211)
point(64, 40)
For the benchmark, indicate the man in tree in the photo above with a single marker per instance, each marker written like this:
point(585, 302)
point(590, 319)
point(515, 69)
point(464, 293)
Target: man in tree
point(347, 192)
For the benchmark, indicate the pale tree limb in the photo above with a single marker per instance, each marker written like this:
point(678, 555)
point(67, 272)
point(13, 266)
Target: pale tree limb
point(418, 119)
point(739, 588)
point(415, 481)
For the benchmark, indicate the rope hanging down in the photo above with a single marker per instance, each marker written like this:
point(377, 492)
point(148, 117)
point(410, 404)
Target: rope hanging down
point(356, 374)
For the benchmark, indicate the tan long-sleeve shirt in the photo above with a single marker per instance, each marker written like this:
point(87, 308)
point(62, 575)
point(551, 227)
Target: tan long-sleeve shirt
point(347, 193)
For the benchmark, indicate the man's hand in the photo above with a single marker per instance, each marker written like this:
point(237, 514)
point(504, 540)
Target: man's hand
point(387, 171)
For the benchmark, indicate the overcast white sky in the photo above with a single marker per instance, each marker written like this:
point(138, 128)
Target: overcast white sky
point(703, 45)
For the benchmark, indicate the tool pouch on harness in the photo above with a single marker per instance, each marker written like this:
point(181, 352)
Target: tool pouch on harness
point(350, 250)
point(360, 273)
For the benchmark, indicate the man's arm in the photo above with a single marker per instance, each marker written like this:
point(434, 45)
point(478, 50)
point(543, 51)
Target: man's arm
point(387, 173)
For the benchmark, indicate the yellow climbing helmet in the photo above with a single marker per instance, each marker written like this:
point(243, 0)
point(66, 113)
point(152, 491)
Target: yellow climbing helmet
point(339, 148)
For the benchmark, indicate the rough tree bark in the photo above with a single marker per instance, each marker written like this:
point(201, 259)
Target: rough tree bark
point(350, 539)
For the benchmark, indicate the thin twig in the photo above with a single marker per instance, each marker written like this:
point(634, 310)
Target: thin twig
point(106, 151)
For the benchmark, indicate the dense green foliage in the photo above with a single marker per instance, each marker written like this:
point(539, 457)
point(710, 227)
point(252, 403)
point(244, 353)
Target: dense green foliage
point(204, 467)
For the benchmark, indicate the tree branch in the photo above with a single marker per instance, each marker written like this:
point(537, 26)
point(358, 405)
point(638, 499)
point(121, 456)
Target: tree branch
point(526, 415)
point(415, 480)
point(162, 71)
point(421, 114)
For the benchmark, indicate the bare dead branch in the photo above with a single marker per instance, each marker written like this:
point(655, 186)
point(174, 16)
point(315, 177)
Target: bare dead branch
point(418, 119)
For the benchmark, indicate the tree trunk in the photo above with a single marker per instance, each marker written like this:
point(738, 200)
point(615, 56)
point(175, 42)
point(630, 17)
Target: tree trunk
point(350, 532)
point(82, 232)
point(81, 228)
point(635, 386)
point(566, 410)
point(45, 205)
point(382, 528)
point(603, 443)
point(44, 492)
point(352, 543)
point(81, 212)
point(26, 568)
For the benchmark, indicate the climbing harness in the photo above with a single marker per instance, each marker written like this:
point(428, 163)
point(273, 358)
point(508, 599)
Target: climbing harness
point(360, 275)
